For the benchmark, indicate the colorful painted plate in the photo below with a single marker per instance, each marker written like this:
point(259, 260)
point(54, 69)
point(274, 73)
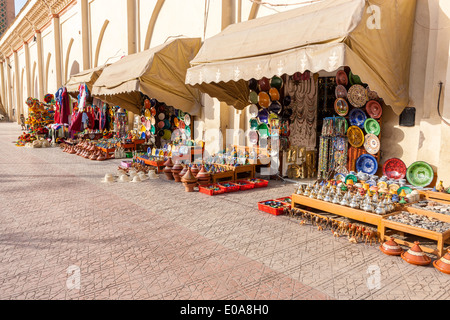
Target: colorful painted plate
point(253, 110)
point(263, 130)
point(394, 168)
point(263, 116)
point(152, 129)
point(357, 118)
point(382, 184)
point(341, 78)
point(408, 190)
point(153, 111)
point(393, 187)
point(420, 174)
point(187, 131)
point(357, 96)
point(340, 91)
point(372, 143)
point(254, 124)
point(341, 107)
point(187, 119)
point(147, 113)
point(339, 177)
point(351, 177)
point(253, 136)
point(367, 163)
point(372, 126)
point(176, 122)
point(355, 136)
point(374, 109)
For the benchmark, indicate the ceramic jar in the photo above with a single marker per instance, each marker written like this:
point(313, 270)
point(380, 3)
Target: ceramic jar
point(168, 169)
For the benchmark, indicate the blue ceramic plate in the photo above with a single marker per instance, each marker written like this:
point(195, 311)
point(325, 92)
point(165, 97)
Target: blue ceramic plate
point(367, 163)
point(357, 118)
point(263, 116)
point(339, 177)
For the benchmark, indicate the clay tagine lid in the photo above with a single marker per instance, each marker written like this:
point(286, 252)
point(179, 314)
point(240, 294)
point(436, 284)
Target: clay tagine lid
point(391, 248)
point(443, 264)
point(168, 163)
point(177, 167)
point(195, 170)
point(188, 177)
point(183, 172)
point(416, 256)
point(203, 174)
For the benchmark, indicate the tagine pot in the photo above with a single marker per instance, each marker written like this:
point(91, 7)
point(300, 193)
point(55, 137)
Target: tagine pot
point(168, 169)
point(195, 170)
point(184, 171)
point(189, 181)
point(416, 256)
point(203, 177)
point(443, 264)
point(176, 169)
point(391, 248)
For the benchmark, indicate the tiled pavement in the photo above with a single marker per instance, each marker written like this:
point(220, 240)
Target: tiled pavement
point(152, 240)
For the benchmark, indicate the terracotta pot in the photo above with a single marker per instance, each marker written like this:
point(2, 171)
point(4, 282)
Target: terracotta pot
point(168, 169)
point(93, 156)
point(443, 264)
point(195, 170)
point(176, 169)
point(101, 157)
point(416, 256)
point(184, 171)
point(203, 177)
point(189, 181)
point(391, 248)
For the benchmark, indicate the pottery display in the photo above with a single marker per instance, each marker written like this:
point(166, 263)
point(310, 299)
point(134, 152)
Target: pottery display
point(189, 181)
point(391, 248)
point(176, 169)
point(168, 169)
point(203, 176)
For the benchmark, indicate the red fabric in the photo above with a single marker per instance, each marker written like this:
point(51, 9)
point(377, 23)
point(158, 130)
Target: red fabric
point(76, 122)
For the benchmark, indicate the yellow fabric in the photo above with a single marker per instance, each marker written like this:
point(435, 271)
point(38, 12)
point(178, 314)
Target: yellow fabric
point(323, 36)
point(87, 76)
point(158, 73)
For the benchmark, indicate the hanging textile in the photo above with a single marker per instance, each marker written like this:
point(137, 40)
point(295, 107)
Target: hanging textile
point(304, 111)
point(62, 98)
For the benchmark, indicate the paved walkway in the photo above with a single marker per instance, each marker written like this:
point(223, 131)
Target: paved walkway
point(66, 235)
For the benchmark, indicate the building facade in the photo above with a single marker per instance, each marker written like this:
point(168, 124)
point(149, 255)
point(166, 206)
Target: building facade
point(53, 39)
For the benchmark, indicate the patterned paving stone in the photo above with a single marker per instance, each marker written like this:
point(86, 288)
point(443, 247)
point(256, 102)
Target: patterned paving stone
point(60, 224)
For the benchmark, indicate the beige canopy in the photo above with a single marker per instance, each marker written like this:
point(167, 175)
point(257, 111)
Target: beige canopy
point(159, 73)
point(87, 76)
point(373, 38)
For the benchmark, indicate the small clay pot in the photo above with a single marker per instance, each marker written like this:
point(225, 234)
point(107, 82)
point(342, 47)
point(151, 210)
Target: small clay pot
point(184, 171)
point(443, 264)
point(195, 170)
point(189, 181)
point(203, 177)
point(101, 157)
point(391, 248)
point(416, 256)
point(168, 169)
point(176, 169)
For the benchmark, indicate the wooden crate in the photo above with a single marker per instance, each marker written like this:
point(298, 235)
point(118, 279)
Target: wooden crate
point(109, 152)
point(397, 227)
point(355, 214)
point(245, 171)
point(437, 196)
point(223, 176)
point(158, 164)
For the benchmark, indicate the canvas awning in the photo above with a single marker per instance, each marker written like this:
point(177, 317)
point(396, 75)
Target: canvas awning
point(87, 76)
point(373, 38)
point(159, 73)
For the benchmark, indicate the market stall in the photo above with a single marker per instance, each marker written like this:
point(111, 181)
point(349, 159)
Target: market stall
point(285, 67)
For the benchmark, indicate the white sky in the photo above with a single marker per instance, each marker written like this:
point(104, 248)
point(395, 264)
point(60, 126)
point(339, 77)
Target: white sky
point(19, 4)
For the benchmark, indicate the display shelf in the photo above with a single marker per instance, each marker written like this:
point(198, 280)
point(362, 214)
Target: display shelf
point(437, 196)
point(245, 171)
point(158, 164)
point(108, 152)
point(223, 176)
point(389, 228)
point(355, 214)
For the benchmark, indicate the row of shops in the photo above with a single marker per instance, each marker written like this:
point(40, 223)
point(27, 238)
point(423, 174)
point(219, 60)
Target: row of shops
point(314, 81)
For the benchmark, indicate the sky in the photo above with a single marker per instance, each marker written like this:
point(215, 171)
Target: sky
point(19, 4)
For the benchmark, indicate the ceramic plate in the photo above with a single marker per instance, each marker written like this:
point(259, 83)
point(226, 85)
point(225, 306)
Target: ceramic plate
point(367, 163)
point(253, 110)
point(147, 113)
point(254, 124)
point(161, 116)
point(420, 174)
point(340, 91)
point(357, 118)
point(341, 78)
point(187, 119)
point(187, 131)
point(372, 126)
point(382, 184)
point(253, 136)
point(374, 109)
point(152, 129)
point(393, 187)
point(357, 96)
point(371, 183)
point(341, 107)
point(263, 130)
point(372, 143)
point(176, 122)
point(263, 116)
point(355, 136)
point(394, 168)
point(339, 177)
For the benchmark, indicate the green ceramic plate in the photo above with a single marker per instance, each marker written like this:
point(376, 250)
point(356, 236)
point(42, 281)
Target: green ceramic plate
point(408, 190)
point(351, 177)
point(263, 130)
point(372, 126)
point(420, 174)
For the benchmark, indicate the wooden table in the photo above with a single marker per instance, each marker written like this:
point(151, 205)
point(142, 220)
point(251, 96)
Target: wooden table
point(158, 164)
point(355, 214)
point(245, 172)
point(108, 152)
point(395, 227)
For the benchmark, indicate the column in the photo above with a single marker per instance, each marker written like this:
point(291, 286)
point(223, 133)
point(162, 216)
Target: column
point(28, 69)
point(132, 42)
point(40, 65)
point(85, 34)
point(3, 90)
point(17, 86)
point(9, 89)
point(57, 34)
